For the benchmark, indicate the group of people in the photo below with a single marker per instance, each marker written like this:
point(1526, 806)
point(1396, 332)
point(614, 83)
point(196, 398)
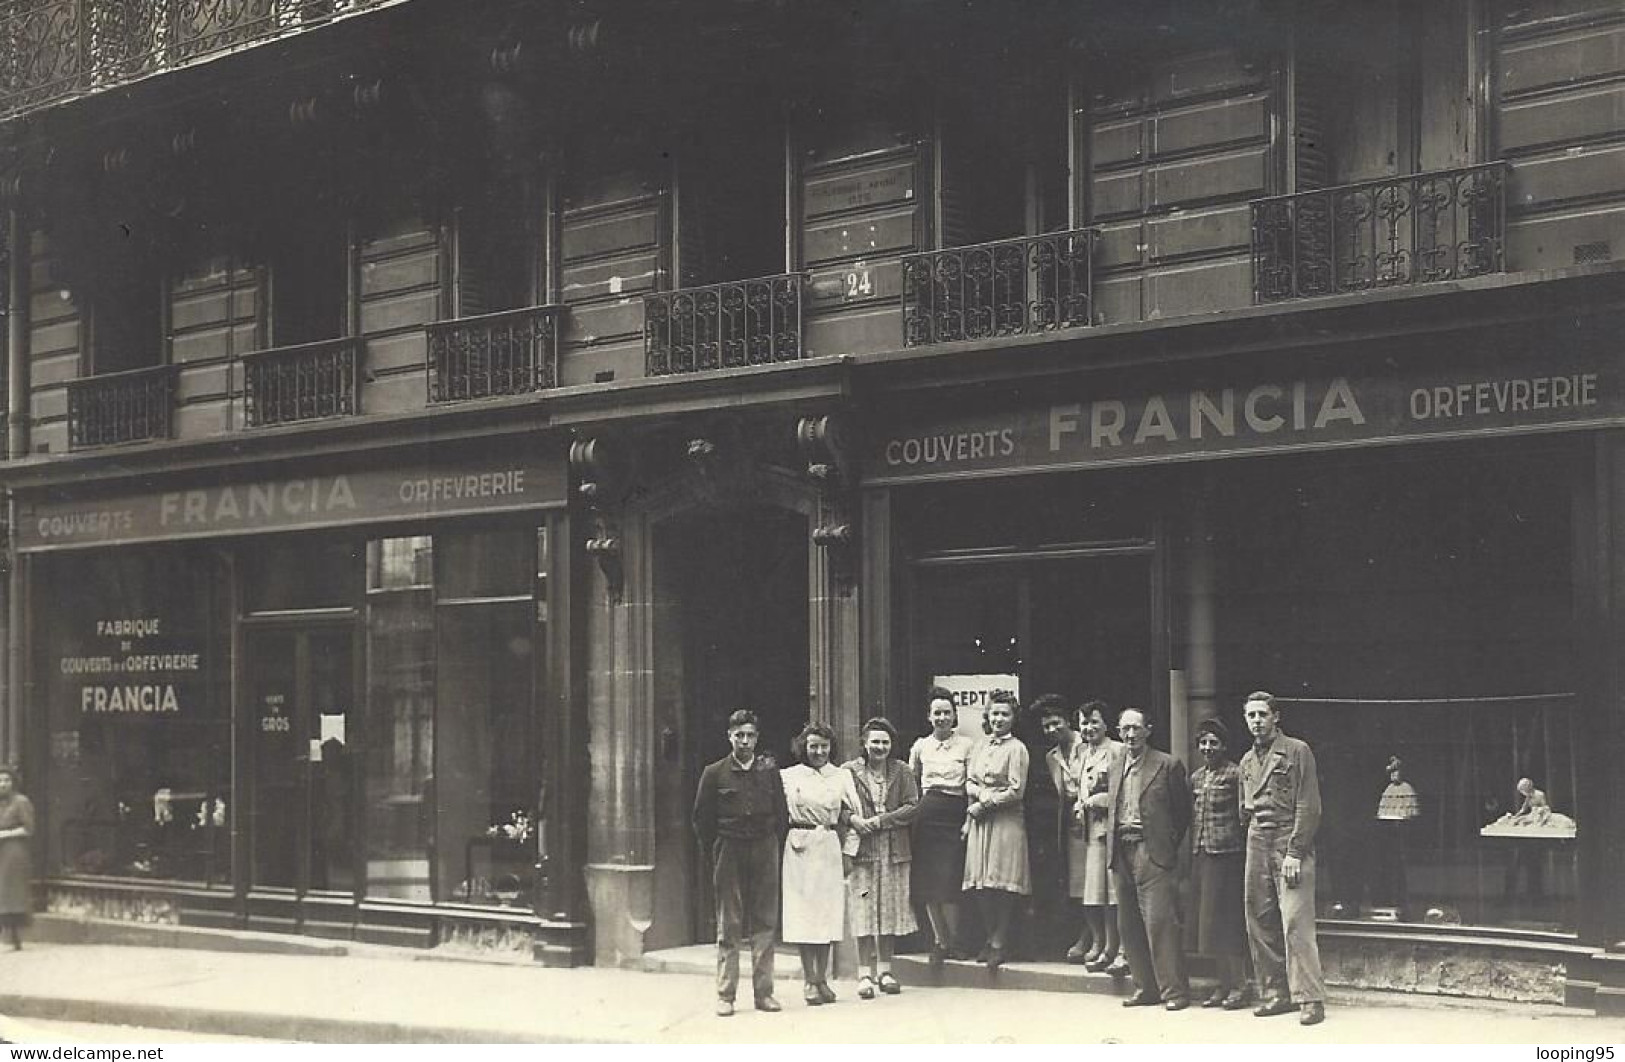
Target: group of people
point(827, 845)
point(850, 850)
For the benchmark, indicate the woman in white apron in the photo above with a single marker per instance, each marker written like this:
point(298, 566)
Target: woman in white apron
point(821, 799)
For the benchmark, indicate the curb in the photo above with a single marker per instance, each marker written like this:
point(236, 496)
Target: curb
point(263, 1026)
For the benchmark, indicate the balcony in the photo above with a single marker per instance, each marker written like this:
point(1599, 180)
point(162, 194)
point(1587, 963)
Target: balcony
point(305, 382)
point(513, 352)
point(121, 407)
point(52, 50)
point(1005, 288)
point(1415, 229)
point(723, 326)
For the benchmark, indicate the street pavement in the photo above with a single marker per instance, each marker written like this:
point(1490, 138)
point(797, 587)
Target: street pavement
point(372, 999)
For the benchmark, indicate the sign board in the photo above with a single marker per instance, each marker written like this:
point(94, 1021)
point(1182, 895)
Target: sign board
point(971, 695)
point(134, 667)
point(308, 502)
point(1089, 423)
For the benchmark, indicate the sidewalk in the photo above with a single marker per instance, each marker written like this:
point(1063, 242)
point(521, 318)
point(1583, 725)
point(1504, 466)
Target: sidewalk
point(344, 999)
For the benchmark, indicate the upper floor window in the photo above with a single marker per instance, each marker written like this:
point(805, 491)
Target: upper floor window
point(308, 262)
point(730, 199)
point(125, 326)
point(495, 248)
point(1384, 89)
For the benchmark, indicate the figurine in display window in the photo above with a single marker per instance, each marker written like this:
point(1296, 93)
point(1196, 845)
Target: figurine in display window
point(1399, 806)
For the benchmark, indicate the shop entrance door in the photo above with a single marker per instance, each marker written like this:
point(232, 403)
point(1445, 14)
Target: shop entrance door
point(731, 631)
point(1084, 622)
point(300, 699)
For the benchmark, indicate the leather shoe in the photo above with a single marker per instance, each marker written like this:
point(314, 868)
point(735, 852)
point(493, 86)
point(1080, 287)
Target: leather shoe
point(826, 994)
point(1118, 968)
point(1177, 1003)
point(1216, 999)
point(725, 1008)
point(810, 994)
point(1142, 999)
point(769, 1004)
point(1240, 999)
point(1077, 954)
point(1271, 1007)
point(1312, 1014)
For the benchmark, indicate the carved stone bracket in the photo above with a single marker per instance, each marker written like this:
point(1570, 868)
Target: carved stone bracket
point(825, 447)
point(724, 466)
point(603, 482)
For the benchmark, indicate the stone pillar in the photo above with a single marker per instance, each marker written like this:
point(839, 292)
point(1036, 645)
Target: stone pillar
point(832, 599)
point(882, 685)
point(620, 819)
point(1599, 717)
point(1199, 659)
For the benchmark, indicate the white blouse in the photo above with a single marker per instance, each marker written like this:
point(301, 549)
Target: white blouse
point(941, 764)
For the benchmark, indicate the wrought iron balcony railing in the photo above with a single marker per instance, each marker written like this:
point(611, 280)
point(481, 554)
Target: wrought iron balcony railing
point(513, 352)
point(121, 407)
point(305, 382)
point(1004, 288)
point(1413, 229)
point(723, 326)
point(52, 50)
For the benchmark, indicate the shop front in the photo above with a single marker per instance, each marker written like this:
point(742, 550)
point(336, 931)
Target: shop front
point(1408, 558)
point(331, 700)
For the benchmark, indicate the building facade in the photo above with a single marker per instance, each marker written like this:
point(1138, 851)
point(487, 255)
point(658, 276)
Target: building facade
point(426, 422)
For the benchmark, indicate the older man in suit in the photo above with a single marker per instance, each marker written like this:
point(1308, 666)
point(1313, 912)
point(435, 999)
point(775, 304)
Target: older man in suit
point(1148, 814)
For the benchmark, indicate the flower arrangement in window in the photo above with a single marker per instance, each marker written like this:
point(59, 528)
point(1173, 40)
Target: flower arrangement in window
point(518, 828)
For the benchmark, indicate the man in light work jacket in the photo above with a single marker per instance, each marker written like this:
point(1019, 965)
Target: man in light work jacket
point(1148, 814)
point(1280, 801)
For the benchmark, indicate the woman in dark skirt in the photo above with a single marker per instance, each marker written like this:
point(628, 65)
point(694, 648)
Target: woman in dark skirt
point(939, 762)
point(16, 831)
point(1220, 841)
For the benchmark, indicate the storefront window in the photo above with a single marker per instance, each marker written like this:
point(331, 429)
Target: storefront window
point(487, 773)
point(301, 572)
point(1416, 619)
point(133, 658)
point(400, 717)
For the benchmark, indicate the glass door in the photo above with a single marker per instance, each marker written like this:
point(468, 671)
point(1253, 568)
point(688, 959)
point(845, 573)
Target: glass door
point(300, 689)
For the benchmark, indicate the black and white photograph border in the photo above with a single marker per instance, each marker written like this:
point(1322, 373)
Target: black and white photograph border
point(1060, 521)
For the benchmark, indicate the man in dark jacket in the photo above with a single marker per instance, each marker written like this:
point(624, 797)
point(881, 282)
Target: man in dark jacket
point(740, 817)
point(1147, 818)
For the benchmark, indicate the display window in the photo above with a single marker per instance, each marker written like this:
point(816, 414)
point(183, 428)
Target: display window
point(454, 630)
point(1415, 616)
point(133, 660)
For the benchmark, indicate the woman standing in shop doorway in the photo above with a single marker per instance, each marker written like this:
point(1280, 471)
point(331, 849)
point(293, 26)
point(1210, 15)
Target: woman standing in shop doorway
point(940, 761)
point(877, 897)
point(16, 829)
point(996, 869)
point(1099, 893)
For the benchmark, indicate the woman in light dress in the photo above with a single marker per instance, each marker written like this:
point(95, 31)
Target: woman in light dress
point(940, 762)
point(996, 869)
point(1099, 895)
point(878, 902)
point(821, 800)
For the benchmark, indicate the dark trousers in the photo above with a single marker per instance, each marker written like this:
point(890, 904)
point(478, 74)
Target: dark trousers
point(1281, 921)
point(745, 875)
point(1148, 919)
